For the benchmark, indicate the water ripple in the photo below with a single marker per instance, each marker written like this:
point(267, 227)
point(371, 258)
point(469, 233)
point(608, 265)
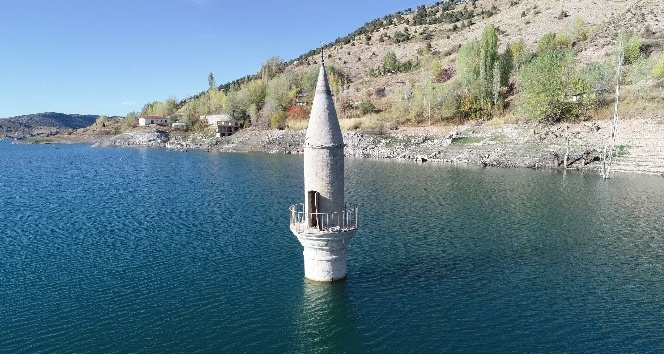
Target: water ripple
point(146, 250)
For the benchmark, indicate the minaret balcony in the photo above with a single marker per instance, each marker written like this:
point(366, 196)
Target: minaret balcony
point(303, 222)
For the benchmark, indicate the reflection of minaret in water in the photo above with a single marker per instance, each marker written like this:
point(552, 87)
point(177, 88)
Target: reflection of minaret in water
point(323, 224)
point(326, 320)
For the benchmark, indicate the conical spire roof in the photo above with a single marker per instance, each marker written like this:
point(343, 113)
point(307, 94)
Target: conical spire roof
point(323, 129)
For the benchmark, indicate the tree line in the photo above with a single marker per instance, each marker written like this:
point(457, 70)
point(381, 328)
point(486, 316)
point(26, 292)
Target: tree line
point(545, 84)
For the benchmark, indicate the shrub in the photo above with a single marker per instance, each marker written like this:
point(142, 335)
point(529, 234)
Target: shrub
point(578, 31)
point(350, 123)
point(638, 75)
point(101, 121)
point(372, 122)
point(600, 78)
point(366, 107)
point(390, 62)
point(401, 37)
point(297, 125)
point(632, 49)
point(658, 70)
point(130, 121)
point(297, 113)
point(278, 120)
point(553, 41)
point(545, 86)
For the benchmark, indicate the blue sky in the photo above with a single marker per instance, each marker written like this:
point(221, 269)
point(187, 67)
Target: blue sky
point(111, 57)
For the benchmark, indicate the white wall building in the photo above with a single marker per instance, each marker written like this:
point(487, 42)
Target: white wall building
point(214, 119)
point(149, 120)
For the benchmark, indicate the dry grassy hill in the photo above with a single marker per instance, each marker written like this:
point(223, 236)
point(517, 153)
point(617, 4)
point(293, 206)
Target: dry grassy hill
point(603, 18)
point(517, 19)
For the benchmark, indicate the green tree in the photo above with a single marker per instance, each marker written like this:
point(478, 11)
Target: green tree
point(436, 70)
point(402, 36)
point(488, 55)
point(271, 68)
point(578, 31)
point(308, 81)
point(253, 93)
point(505, 65)
point(170, 106)
point(278, 92)
point(632, 49)
point(520, 53)
point(546, 43)
point(278, 120)
point(480, 75)
point(658, 69)
point(638, 75)
point(390, 62)
point(468, 62)
point(211, 84)
point(544, 85)
point(193, 111)
point(600, 79)
point(253, 114)
point(366, 107)
point(130, 121)
point(162, 109)
point(553, 41)
point(235, 107)
point(216, 101)
point(146, 108)
point(495, 88)
point(101, 121)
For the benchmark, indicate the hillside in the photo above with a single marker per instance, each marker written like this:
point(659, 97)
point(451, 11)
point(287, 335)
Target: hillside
point(43, 124)
point(422, 84)
point(517, 19)
point(403, 68)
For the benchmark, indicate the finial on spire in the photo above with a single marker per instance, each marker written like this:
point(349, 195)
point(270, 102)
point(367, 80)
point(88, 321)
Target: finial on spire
point(322, 56)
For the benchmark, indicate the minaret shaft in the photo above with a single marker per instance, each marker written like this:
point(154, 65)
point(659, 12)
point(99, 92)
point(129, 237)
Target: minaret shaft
point(324, 174)
point(324, 153)
point(322, 224)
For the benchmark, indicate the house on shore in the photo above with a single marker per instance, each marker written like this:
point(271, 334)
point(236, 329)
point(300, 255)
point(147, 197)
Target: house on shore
point(227, 127)
point(224, 125)
point(149, 120)
point(214, 119)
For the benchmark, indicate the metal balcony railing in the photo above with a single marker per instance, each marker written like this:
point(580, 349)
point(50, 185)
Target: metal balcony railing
point(345, 220)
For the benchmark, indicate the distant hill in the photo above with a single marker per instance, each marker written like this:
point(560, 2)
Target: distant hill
point(43, 124)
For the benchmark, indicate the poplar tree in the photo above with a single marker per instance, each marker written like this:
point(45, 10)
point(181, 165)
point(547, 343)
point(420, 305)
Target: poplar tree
point(467, 61)
point(488, 55)
point(211, 82)
point(479, 73)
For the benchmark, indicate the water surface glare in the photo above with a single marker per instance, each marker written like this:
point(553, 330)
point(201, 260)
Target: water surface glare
point(148, 250)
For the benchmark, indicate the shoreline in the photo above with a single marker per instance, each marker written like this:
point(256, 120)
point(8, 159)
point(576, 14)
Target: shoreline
point(507, 145)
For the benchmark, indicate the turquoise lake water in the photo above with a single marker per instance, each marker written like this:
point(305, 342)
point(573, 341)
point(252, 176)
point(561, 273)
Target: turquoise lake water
point(147, 250)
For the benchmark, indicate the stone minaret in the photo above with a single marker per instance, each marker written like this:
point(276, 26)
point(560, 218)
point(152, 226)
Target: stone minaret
point(323, 224)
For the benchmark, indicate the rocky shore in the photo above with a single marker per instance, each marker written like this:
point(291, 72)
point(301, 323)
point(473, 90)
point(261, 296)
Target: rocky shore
point(571, 146)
